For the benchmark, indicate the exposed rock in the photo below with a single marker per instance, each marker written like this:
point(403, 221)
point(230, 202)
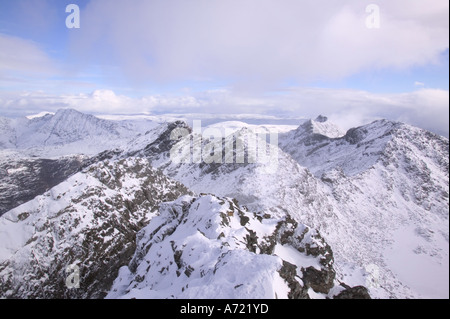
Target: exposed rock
point(25, 178)
point(289, 273)
point(321, 281)
point(358, 292)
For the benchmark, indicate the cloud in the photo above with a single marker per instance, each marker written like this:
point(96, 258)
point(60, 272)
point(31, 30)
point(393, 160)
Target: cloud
point(426, 108)
point(23, 57)
point(259, 43)
point(99, 101)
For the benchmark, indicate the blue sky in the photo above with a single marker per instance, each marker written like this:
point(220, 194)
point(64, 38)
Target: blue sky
point(397, 81)
point(228, 56)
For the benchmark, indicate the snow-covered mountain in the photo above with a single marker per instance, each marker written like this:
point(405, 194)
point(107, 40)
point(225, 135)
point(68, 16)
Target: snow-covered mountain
point(397, 207)
point(191, 249)
point(68, 132)
point(90, 220)
point(377, 194)
point(39, 152)
point(7, 133)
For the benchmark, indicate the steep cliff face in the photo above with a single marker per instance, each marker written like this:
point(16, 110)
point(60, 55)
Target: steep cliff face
point(23, 178)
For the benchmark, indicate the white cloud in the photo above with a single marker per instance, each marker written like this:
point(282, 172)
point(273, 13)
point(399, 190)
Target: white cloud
point(425, 108)
point(19, 57)
point(99, 101)
point(253, 46)
point(258, 43)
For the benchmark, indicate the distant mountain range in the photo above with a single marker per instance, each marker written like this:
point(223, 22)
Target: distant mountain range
point(337, 214)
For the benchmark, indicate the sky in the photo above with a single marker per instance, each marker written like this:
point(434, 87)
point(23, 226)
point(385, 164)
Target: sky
point(351, 60)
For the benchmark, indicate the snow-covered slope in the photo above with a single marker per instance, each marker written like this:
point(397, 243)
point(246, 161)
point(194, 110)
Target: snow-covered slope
point(209, 247)
point(90, 220)
point(388, 185)
point(233, 126)
point(7, 133)
point(398, 208)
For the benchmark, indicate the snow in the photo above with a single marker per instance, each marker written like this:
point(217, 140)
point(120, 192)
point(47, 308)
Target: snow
point(16, 170)
point(41, 114)
point(322, 126)
point(315, 295)
point(69, 132)
point(292, 255)
point(13, 235)
point(409, 259)
point(233, 126)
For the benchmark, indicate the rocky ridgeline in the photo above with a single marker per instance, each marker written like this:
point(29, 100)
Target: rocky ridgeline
point(210, 247)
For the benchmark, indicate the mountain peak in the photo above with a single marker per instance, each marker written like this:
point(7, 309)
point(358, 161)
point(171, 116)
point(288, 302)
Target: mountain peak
point(69, 111)
point(321, 126)
point(321, 119)
point(40, 115)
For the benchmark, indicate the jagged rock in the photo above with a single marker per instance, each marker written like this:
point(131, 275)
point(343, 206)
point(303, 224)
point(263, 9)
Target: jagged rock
point(289, 273)
point(321, 281)
point(358, 292)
